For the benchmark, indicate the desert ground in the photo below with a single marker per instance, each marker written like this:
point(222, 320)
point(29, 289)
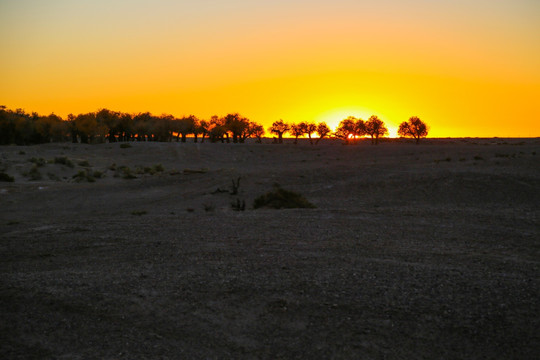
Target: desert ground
point(427, 251)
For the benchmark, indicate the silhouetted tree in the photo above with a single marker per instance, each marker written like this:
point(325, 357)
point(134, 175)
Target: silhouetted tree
point(142, 126)
point(59, 128)
point(322, 130)
point(51, 128)
point(360, 128)
point(375, 128)
point(126, 131)
point(256, 130)
point(163, 127)
point(111, 120)
point(86, 125)
point(218, 131)
point(185, 126)
point(7, 128)
point(72, 128)
point(414, 128)
point(279, 127)
point(203, 129)
point(297, 130)
point(25, 127)
point(310, 128)
point(238, 126)
point(198, 130)
point(347, 129)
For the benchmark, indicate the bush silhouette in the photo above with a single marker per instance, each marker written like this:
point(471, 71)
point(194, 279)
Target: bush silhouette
point(6, 177)
point(83, 175)
point(38, 161)
point(64, 161)
point(34, 173)
point(414, 128)
point(282, 199)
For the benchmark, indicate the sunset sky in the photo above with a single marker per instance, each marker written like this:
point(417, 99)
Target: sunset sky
point(465, 67)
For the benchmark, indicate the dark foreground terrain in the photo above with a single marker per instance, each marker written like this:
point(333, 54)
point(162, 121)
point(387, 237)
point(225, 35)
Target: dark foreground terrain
point(413, 252)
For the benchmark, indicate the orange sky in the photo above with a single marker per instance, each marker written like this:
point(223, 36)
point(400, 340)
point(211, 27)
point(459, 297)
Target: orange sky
point(465, 69)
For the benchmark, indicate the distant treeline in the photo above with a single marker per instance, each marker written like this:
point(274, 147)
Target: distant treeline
point(21, 128)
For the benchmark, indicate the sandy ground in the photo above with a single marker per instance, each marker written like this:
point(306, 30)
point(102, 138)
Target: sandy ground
point(413, 252)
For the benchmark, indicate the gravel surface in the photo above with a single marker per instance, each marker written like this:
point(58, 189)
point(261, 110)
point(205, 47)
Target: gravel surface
point(412, 252)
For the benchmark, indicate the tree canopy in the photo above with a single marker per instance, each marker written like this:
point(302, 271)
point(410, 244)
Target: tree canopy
point(375, 128)
point(414, 128)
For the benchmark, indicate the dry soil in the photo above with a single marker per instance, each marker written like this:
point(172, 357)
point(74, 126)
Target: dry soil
point(426, 251)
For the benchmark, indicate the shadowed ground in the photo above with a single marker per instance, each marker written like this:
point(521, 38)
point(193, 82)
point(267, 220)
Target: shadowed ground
point(426, 251)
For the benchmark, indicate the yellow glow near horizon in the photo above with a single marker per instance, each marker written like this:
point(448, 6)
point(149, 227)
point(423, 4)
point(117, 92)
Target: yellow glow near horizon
point(465, 68)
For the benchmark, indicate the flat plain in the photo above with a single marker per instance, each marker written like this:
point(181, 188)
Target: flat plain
point(427, 251)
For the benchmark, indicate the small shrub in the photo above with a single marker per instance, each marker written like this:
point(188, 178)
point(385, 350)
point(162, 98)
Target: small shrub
point(139, 212)
point(219, 191)
point(239, 205)
point(34, 173)
point(151, 170)
point(63, 160)
point(84, 163)
point(5, 177)
point(478, 157)
point(125, 146)
point(235, 186)
point(98, 174)
point(83, 175)
point(112, 167)
point(38, 161)
point(126, 173)
point(79, 176)
point(280, 198)
point(53, 176)
point(22, 152)
point(195, 171)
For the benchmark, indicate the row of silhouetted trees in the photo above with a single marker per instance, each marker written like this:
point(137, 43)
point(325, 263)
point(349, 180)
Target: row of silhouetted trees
point(349, 129)
point(19, 127)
